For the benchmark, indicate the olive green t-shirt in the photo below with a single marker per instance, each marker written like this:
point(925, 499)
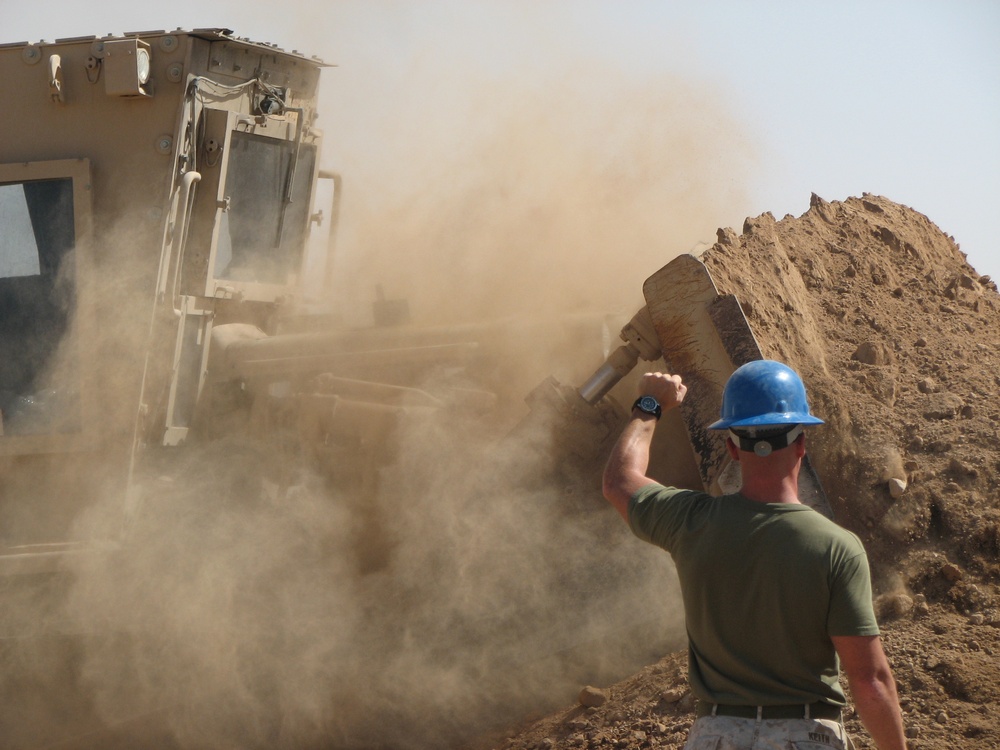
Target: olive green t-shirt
point(765, 585)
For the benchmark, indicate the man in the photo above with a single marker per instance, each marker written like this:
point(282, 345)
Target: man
point(773, 591)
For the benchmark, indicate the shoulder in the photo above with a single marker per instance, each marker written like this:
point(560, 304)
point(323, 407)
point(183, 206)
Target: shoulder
point(845, 554)
point(845, 541)
point(657, 491)
point(656, 512)
point(655, 494)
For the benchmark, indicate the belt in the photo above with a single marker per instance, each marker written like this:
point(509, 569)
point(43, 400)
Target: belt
point(817, 710)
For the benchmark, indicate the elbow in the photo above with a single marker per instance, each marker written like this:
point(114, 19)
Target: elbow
point(614, 484)
point(618, 491)
point(875, 687)
point(878, 682)
point(611, 489)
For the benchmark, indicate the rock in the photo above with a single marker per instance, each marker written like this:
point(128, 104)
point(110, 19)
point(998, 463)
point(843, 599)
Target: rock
point(920, 342)
point(727, 236)
point(961, 468)
point(927, 385)
point(952, 572)
point(967, 282)
point(944, 406)
point(591, 696)
point(894, 605)
point(872, 353)
point(912, 733)
point(687, 703)
point(672, 695)
point(977, 619)
point(897, 487)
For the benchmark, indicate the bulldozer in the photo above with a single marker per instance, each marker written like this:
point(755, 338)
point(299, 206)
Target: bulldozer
point(160, 203)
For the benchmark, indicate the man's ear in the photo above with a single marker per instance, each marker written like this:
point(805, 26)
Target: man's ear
point(800, 445)
point(734, 451)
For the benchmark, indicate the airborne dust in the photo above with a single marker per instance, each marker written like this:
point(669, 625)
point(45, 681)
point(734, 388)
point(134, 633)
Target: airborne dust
point(267, 602)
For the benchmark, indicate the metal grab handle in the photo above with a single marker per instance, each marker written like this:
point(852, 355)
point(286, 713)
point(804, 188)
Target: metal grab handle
point(334, 220)
point(178, 238)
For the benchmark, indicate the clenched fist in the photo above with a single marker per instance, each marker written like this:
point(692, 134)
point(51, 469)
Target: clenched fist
point(667, 389)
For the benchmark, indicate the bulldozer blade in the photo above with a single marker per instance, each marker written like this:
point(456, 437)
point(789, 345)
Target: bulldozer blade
point(704, 337)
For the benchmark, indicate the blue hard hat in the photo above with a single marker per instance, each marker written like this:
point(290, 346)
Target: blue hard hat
point(763, 393)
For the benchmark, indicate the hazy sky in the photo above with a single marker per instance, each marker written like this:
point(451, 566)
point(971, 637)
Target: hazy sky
point(898, 98)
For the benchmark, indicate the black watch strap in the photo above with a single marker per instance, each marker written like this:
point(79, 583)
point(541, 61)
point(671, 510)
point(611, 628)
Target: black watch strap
point(649, 405)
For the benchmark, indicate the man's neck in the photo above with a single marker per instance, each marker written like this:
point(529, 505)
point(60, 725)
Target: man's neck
point(784, 490)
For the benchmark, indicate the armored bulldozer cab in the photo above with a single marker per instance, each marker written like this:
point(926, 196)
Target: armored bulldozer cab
point(153, 186)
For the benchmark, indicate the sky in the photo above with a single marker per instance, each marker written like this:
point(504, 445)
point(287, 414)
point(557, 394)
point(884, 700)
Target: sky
point(778, 99)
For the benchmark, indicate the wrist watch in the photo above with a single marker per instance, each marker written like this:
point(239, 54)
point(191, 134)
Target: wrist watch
point(649, 405)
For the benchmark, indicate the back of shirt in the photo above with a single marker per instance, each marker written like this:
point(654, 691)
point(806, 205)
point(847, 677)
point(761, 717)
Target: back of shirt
point(765, 585)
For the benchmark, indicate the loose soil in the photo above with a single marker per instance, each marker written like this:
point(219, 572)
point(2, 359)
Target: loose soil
point(898, 340)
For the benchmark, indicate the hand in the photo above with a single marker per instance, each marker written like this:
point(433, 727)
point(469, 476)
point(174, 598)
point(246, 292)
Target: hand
point(665, 388)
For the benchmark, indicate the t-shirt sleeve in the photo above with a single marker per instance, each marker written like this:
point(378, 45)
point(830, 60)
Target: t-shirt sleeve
point(655, 513)
point(851, 610)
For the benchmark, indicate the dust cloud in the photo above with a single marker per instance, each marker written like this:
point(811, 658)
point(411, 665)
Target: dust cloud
point(258, 605)
point(556, 199)
point(420, 591)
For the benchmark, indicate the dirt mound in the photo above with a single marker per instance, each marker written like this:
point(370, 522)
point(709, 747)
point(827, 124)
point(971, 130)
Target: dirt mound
point(898, 340)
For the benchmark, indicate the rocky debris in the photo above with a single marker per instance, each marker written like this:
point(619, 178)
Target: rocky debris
point(592, 697)
point(873, 353)
point(896, 487)
point(898, 339)
point(894, 605)
point(951, 572)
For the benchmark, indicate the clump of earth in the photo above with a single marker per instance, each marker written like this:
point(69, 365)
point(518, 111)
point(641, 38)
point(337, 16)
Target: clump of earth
point(898, 340)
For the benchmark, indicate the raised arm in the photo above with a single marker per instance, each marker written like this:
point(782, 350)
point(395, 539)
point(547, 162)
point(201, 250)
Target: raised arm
point(625, 472)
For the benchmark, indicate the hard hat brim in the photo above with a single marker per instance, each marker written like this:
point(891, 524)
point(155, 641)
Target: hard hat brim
point(771, 418)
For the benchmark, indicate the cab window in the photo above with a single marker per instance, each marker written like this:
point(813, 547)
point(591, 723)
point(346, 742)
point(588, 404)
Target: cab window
point(263, 233)
point(37, 298)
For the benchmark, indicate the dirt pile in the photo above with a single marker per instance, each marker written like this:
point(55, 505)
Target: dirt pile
point(898, 340)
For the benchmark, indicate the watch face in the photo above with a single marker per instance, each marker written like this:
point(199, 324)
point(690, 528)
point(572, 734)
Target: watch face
point(648, 403)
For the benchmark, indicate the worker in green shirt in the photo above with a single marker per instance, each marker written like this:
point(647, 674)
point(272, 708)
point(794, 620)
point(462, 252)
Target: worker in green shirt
point(776, 596)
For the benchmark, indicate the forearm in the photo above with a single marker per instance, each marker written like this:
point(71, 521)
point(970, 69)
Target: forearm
point(878, 706)
point(625, 471)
